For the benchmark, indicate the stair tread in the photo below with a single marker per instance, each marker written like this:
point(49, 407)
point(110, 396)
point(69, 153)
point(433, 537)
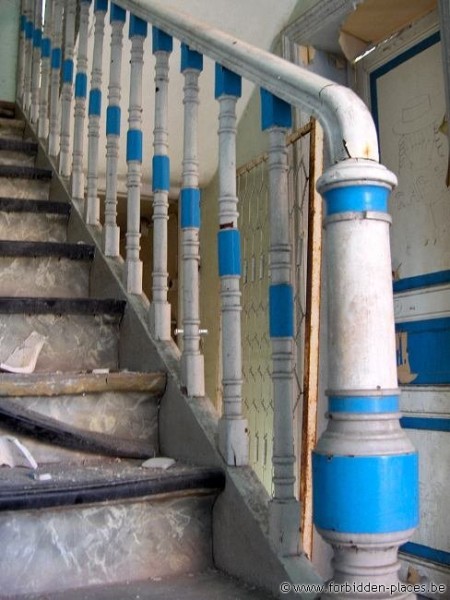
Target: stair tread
point(8, 122)
point(99, 482)
point(74, 306)
point(30, 205)
point(55, 384)
point(17, 145)
point(36, 248)
point(18, 171)
point(207, 585)
point(47, 429)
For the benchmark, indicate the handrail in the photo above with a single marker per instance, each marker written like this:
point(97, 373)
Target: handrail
point(347, 123)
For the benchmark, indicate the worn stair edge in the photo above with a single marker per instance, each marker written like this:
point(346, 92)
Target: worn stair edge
point(15, 145)
point(46, 494)
point(59, 384)
point(49, 430)
point(69, 306)
point(34, 206)
point(68, 250)
point(20, 172)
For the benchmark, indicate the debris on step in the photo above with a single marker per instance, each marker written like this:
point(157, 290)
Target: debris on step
point(158, 462)
point(24, 357)
point(42, 476)
point(14, 454)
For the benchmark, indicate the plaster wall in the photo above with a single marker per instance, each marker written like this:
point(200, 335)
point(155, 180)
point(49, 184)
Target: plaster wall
point(9, 32)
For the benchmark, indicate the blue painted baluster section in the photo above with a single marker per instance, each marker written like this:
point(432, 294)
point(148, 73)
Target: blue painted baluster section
point(67, 88)
point(111, 230)
point(80, 102)
point(284, 524)
point(29, 30)
point(133, 264)
point(233, 436)
point(365, 470)
point(160, 308)
point(56, 62)
point(193, 371)
point(36, 63)
point(46, 49)
point(92, 206)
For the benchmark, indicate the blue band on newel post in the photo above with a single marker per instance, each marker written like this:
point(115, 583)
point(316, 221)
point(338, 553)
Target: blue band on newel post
point(37, 38)
point(357, 198)
point(364, 404)
point(281, 310)
point(113, 114)
point(56, 58)
point(134, 145)
point(229, 250)
point(95, 103)
point(227, 83)
point(161, 41)
point(29, 28)
point(138, 27)
point(101, 5)
point(190, 208)
point(67, 71)
point(118, 14)
point(365, 494)
point(190, 59)
point(46, 47)
point(274, 111)
point(161, 173)
point(81, 85)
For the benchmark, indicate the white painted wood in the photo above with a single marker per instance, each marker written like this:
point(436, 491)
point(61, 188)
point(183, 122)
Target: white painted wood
point(160, 308)
point(133, 264)
point(67, 90)
point(36, 67)
point(55, 121)
point(111, 230)
point(43, 124)
point(92, 207)
point(423, 303)
point(80, 107)
point(193, 367)
point(21, 54)
point(28, 61)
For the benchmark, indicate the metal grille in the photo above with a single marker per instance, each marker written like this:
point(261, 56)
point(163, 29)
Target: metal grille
point(253, 192)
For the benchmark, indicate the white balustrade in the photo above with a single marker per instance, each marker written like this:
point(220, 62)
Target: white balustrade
point(36, 63)
point(56, 61)
point(29, 30)
point(67, 88)
point(46, 48)
point(21, 52)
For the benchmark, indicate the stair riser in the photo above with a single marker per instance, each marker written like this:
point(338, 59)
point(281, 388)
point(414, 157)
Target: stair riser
point(44, 277)
point(12, 187)
point(74, 342)
point(11, 157)
point(11, 128)
point(56, 549)
point(26, 226)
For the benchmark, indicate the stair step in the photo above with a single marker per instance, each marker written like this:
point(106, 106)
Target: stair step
point(123, 405)
point(104, 524)
point(7, 109)
point(30, 220)
point(46, 269)
point(16, 152)
point(82, 333)
point(11, 127)
point(17, 145)
point(35, 189)
point(24, 172)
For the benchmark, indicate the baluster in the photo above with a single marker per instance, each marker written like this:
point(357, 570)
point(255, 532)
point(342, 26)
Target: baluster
point(46, 46)
point(55, 121)
point(80, 102)
point(36, 63)
point(233, 437)
point(365, 471)
point(133, 266)
point(21, 51)
point(92, 207)
point(111, 231)
point(192, 359)
point(284, 523)
point(29, 29)
point(67, 85)
point(160, 308)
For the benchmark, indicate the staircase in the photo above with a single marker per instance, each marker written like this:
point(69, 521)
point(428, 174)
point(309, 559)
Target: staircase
point(90, 521)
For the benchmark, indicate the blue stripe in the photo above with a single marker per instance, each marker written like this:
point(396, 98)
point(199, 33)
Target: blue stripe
point(190, 59)
point(29, 28)
point(138, 27)
point(438, 556)
point(134, 145)
point(420, 281)
point(67, 72)
point(46, 47)
point(425, 423)
point(190, 208)
point(37, 38)
point(357, 198)
point(101, 5)
point(118, 14)
point(281, 310)
point(227, 83)
point(274, 111)
point(56, 58)
point(161, 41)
point(95, 102)
point(365, 494)
point(81, 85)
point(161, 173)
point(229, 251)
point(363, 404)
point(113, 114)
point(23, 22)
